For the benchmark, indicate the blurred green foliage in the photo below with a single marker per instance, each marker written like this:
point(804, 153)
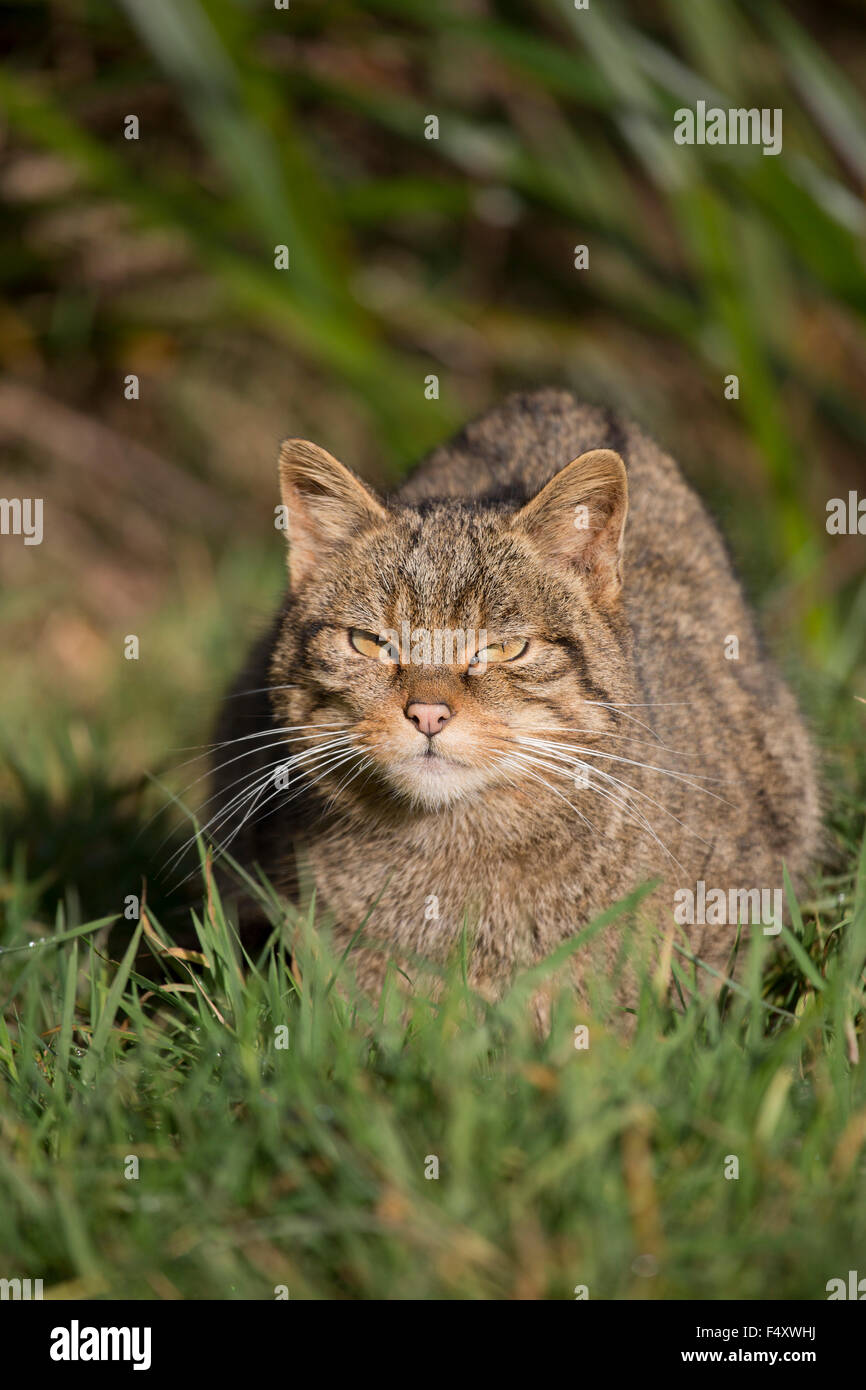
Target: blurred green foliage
point(306, 127)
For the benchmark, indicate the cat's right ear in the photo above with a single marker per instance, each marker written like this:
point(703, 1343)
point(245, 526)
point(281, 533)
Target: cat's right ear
point(325, 505)
point(578, 520)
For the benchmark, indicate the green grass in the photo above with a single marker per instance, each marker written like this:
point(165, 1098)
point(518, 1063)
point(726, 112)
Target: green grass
point(282, 1125)
point(304, 1166)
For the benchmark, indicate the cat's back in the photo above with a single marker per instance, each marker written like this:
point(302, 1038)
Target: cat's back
point(507, 455)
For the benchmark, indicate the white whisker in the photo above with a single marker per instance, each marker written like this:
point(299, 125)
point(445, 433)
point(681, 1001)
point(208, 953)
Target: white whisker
point(546, 784)
point(631, 762)
point(256, 784)
point(567, 769)
point(603, 733)
point(633, 813)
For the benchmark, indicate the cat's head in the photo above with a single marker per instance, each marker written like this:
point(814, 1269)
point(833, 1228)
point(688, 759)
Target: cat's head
point(422, 643)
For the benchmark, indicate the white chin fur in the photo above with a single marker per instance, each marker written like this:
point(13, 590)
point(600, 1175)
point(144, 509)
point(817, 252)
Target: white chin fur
point(435, 790)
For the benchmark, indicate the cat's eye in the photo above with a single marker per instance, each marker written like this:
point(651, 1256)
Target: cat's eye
point(370, 644)
point(498, 652)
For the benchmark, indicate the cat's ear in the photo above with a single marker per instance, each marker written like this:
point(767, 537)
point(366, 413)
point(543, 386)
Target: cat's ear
point(324, 504)
point(578, 520)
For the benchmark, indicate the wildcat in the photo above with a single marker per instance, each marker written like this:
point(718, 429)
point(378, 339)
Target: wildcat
point(586, 731)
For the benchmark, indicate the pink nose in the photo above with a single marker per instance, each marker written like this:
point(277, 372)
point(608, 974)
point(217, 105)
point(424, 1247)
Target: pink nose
point(430, 719)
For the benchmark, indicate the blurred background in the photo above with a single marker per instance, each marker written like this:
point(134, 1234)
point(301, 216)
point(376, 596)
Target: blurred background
point(409, 257)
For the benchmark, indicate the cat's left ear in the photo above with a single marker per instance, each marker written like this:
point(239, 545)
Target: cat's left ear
point(325, 504)
point(577, 520)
